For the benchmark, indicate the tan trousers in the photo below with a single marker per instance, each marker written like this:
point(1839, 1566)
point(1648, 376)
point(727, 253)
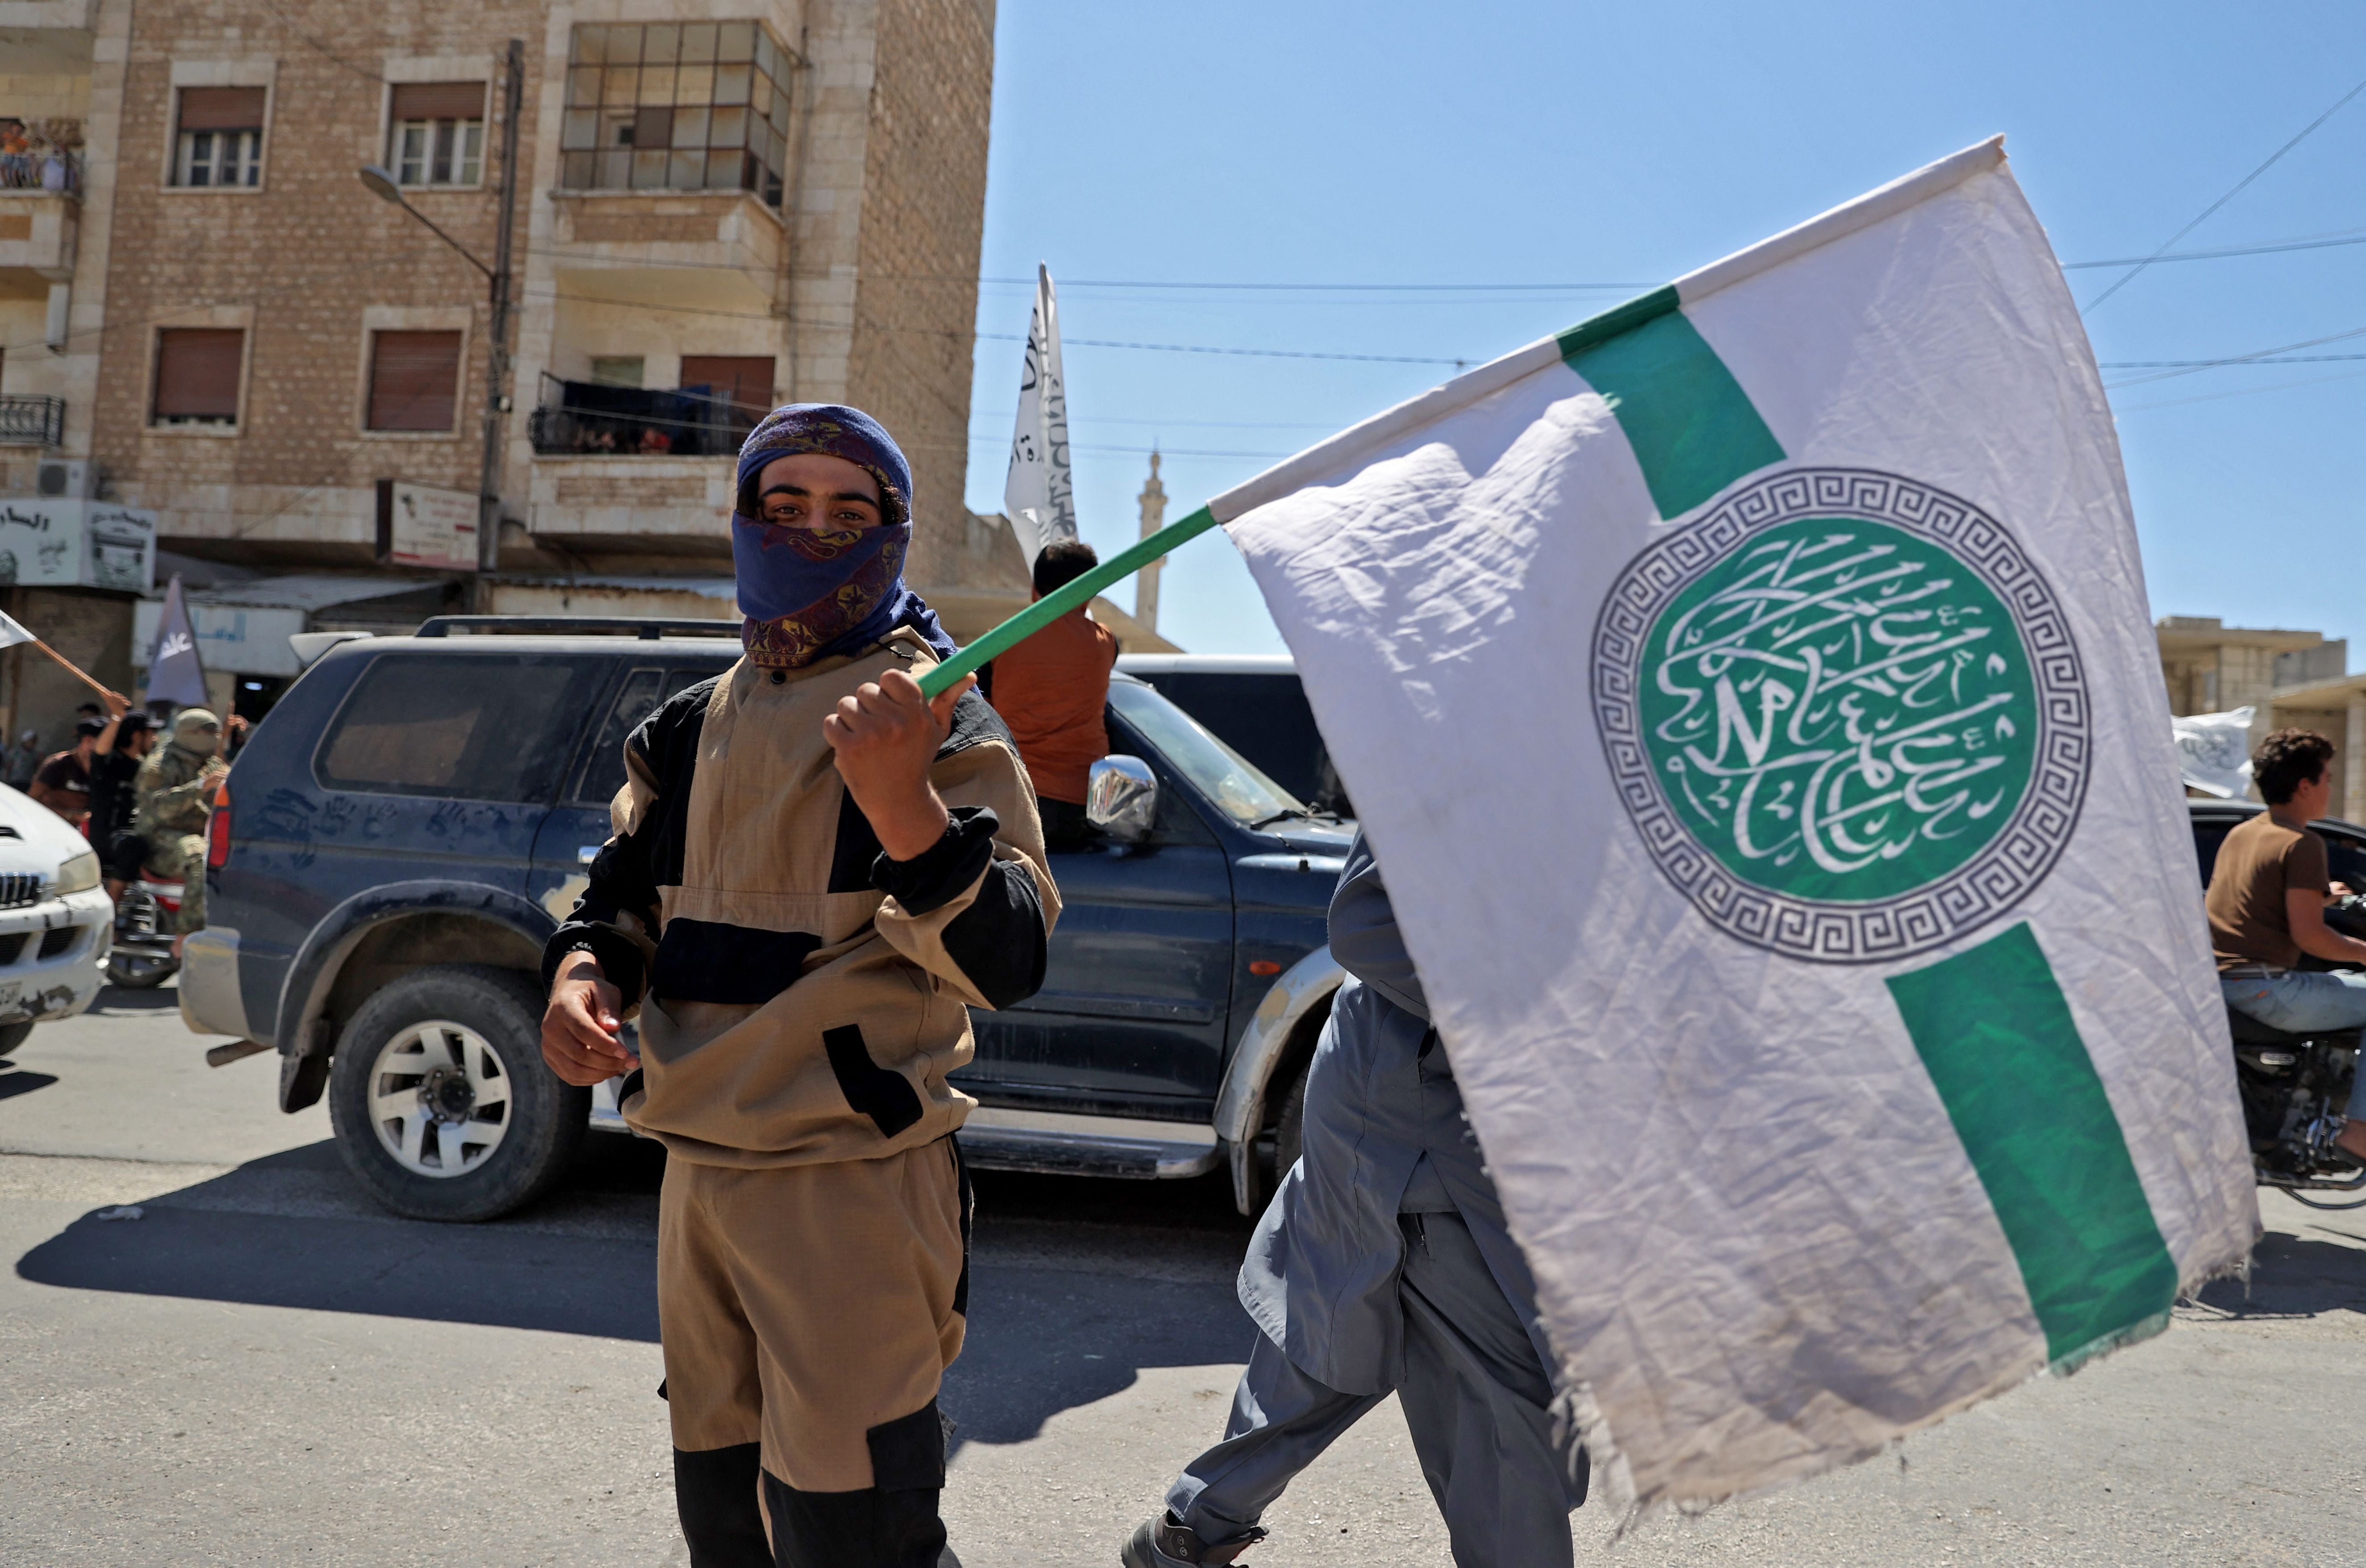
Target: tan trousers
point(803, 1306)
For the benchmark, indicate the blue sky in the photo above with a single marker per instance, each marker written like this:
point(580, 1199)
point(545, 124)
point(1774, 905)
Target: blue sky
point(1580, 144)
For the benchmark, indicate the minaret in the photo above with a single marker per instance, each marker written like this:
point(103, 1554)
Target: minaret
point(1153, 518)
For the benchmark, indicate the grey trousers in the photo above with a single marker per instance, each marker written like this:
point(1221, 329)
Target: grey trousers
point(1476, 1401)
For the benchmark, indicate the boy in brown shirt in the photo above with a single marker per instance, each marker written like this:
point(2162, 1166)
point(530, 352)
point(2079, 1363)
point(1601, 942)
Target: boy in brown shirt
point(1050, 689)
point(2266, 898)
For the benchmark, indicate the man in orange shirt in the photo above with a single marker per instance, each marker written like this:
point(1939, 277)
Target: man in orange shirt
point(1050, 689)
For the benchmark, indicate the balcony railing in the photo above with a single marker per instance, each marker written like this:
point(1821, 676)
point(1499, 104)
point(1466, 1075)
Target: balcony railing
point(45, 169)
point(588, 418)
point(32, 421)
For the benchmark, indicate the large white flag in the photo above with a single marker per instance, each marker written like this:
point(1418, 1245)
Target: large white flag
point(1752, 698)
point(1039, 492)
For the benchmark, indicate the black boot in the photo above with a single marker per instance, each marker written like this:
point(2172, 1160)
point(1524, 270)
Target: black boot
point(1168, 1543)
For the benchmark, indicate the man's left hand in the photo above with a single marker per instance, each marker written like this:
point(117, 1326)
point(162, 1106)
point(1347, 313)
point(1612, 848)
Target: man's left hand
point(886, 738)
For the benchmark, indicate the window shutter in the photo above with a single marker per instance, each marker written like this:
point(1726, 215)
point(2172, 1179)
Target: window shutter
point(439, 100)
point(746, 379)
point(415, 380)
point(197, 372)
point(221, 108)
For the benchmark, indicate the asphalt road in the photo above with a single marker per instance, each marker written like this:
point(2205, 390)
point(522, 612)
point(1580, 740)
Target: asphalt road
point(264, 1369)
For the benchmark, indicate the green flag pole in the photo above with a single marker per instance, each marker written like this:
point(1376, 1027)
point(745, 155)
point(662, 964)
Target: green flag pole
point(1061, 600)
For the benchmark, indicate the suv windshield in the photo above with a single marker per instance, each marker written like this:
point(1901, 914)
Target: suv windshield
point(1219, 772)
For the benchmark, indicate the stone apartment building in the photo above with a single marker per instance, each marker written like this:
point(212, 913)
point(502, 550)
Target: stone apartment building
point(2288, 678)
point(719, 204)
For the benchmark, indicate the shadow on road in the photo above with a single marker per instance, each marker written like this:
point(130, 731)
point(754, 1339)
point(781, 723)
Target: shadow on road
point(291, 1230)
point(2293, 1276)
point(1076, 1283)
point(24, 1082)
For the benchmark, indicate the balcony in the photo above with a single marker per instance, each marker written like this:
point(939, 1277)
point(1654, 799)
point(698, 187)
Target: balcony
point(32, 421)
point(55, 170)
point(40, 224)
point(587, 419)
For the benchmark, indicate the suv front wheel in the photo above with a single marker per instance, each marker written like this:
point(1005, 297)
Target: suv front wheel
point(442, 1105)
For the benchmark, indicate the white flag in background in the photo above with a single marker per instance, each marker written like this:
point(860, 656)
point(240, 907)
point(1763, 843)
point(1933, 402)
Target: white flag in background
point(1039, 493)
point(2215, 749)
point(1751, 698)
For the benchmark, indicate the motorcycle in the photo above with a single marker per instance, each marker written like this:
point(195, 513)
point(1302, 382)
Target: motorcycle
point(2295, 1089)
point(141, 955)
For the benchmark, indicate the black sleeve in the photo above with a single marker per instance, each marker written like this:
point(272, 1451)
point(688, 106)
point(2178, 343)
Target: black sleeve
point(630, 867)
point(936, 876)
point(999, 940)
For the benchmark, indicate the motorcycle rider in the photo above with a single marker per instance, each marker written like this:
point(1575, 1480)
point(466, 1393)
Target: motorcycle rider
point(176, 791)
point(115, 762)
point(2266, 898)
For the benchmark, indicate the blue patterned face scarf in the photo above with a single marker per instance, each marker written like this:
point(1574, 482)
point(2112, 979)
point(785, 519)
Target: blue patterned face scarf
point(808, 596)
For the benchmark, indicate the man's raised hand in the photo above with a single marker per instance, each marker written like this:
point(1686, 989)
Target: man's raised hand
point(886, 737)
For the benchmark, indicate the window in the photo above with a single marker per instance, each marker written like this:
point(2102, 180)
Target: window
point(687, 106)
point(471, 727)
point(196, 376)
point(221, 133)
point(436, 133)
point(1229, 779)
point(415, 380)
point(602, 773)
point(744, 382)
point(618, 369)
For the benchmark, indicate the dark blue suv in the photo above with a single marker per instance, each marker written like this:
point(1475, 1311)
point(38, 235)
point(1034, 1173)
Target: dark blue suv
point(409, 824)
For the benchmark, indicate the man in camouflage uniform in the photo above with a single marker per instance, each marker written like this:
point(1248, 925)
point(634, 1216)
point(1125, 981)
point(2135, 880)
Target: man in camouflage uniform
point(175, 792)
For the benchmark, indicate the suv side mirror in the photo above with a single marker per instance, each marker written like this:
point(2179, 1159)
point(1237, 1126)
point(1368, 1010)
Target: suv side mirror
point(1121, 798)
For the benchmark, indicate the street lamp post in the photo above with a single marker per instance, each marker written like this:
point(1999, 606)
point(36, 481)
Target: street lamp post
point(497, 367)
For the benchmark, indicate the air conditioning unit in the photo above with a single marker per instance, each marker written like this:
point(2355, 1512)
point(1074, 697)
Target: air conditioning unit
point(66, 481)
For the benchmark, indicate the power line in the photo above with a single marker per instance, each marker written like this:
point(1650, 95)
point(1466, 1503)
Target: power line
point(2210, 363)
point(2306, 132)
point(999, 443)
point(2241, 392)
point(1336, 288)
point(2192, 366)
point(1000, 336)
point(2315, 243)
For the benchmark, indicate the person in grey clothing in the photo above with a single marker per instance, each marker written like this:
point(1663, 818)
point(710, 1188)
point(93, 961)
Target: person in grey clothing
point(1382, 1265)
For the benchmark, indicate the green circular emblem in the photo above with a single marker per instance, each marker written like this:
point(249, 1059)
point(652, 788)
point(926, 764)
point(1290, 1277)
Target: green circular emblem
point(1845, 713)
point(1839, 710)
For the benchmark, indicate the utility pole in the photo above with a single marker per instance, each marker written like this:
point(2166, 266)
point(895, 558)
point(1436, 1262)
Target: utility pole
point(497, 361)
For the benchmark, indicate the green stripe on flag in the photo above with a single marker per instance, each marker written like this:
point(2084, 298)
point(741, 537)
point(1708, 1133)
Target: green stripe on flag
point(1691, 425)
point(1994, 1031)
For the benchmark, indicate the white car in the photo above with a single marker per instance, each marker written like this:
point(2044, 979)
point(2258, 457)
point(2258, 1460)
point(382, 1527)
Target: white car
point(55, 920)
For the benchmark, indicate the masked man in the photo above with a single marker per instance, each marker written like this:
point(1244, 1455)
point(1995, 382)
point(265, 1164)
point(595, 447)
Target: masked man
point(815, 873)
point(174, 795)
point(1385, 1264)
